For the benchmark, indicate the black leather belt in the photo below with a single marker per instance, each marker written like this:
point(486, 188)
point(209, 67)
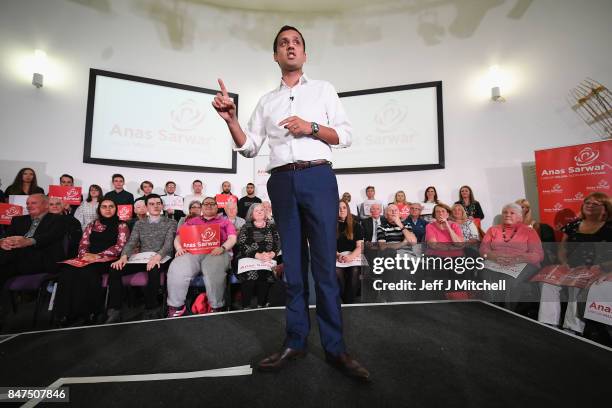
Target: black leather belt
point(300, 165)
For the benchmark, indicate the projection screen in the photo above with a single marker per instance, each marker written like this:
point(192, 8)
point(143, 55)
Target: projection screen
point(397, 128)
point(147, 123)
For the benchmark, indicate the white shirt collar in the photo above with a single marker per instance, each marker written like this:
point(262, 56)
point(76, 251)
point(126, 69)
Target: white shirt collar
point(302, 81)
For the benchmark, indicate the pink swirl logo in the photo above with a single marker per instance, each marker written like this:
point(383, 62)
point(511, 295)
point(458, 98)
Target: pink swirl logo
point(187, 116)
point(72, 194)
point(586, 156)
point(390, 116)
point(12, 212)
point(579, 196)
point(124, 212)
point(558, 207)
point(208, 235)
point(556, 187)
point(603, 184)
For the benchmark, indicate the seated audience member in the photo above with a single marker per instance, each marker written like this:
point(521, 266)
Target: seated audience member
point(349, 244)
point(213, 265)
point(364, 208)
point(469, 230)
point(195, 211)
point(469, 203)
point(402, 205)
point(153, 234)
point(429, 202)
point(66, 180)
point(415, 222)
point(392, 233)
point(512, 244)
point(443, 237)
point(79, 290)
point(371, 224)
point(247, 201)
point(579, 247)
point(231, 212)
point(545, 232)
point(170, 189)
point(118, 194)
point(268, 210)
point(34, 243)
point(72, 227)
point(198, 187)
point(258, 239)
point(140, 213)
point(352, 206)
point(147, 188)
point(88, 210)
point(25, 183)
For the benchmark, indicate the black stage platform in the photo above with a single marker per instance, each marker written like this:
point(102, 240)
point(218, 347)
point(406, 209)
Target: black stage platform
point(431, 354)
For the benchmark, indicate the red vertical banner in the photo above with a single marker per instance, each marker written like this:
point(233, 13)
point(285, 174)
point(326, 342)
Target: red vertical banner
point(566, 175)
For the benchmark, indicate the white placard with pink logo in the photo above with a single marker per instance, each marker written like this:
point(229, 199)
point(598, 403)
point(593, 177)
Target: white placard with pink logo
point(261, 176)
point(145, 257)
point(252, 264)
point(599, 301)
point(173, 202)
point(21, 201)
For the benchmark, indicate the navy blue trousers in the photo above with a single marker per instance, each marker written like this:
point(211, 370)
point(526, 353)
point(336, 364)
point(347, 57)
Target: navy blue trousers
point(305, 207)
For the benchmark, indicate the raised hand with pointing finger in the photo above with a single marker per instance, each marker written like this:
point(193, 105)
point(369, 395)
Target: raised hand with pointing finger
point(224, 104)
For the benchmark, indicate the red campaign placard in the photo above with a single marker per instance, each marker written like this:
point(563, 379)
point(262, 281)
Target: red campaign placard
point(124, 211)
point(404, 210)
point(566, 175)
point(559, 275)
point(200, 239)
point(69, 195)
point(223, 199)
point(79, 263)
point(8, 211)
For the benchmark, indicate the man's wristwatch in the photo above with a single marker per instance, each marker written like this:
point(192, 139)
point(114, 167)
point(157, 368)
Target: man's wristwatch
point(315, 128)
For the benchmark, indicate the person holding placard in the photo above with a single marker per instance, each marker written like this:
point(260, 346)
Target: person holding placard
point(586, 243)
point(79, 290)
point(259, 242)
point(514, 252)
point(349, 244)
point(202, 244)
point(302, 118)
point(154, 235)
point(364, 208)
point(173, 203)
point(429, 202)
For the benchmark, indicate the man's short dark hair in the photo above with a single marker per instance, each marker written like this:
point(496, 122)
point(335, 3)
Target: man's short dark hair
point(170, 182)
point(250, 184)
point(67, 175)
point(287, 28)
point(370, 187)
point(117, 175)
point(196, 181)
point(145, 183)
point(150, 197)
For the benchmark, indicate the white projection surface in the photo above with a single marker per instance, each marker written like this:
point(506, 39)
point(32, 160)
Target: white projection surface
point(391, 129)
point(147, 123)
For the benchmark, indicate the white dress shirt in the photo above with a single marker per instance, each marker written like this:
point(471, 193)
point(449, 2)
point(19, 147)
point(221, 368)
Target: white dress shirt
point(311, 100)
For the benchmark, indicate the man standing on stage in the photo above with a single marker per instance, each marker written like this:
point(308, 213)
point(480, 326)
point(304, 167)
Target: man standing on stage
point(302, 118)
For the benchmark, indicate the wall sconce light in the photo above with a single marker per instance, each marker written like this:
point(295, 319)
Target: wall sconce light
point(495, 76)
point(40, 62)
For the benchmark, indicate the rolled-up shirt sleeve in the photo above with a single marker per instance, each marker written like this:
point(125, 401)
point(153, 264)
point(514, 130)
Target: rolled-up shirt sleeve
point(337, 119)
point(255, 133)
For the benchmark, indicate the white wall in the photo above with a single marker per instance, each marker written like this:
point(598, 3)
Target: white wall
point(547, 51)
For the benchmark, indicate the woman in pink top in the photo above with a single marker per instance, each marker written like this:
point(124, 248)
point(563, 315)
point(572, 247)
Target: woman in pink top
point(512, 244)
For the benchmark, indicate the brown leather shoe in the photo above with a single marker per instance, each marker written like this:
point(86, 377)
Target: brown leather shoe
point(277, 361)
point(349, 366)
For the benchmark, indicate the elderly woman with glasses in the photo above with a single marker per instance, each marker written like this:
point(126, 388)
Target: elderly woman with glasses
point(580, 246)
point(213, 265)
point(258, 239)
point(195, 211)
point(515, 252)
